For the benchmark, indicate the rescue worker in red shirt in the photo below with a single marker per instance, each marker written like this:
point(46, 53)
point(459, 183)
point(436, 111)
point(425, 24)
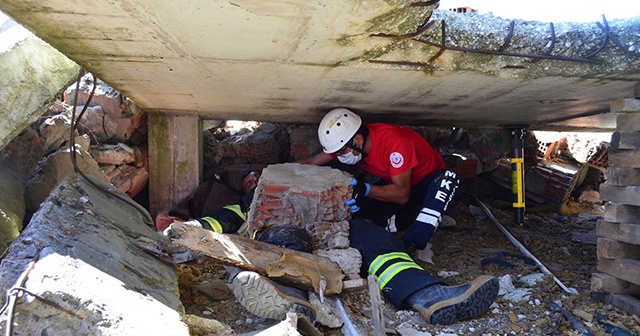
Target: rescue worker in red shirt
point(413, 173)
point(403, 282)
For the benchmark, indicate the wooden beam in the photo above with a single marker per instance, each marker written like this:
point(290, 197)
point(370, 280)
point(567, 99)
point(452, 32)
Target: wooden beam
point(627, 303)
point(622, 213)
point(605, 283)
point(615, 249)
point(175, 158)
point(620, 194)
point(626, 232)
point(625, 269)
point(299, 269)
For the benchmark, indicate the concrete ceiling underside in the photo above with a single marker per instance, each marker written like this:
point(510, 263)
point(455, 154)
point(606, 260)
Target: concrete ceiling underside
point(292, 60)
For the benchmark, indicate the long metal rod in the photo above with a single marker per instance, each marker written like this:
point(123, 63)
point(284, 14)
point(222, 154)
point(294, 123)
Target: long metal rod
point(501, 51)
point(523, 249)
point(345, 318)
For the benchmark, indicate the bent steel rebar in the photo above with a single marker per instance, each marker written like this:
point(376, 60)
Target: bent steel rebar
point(502, 50)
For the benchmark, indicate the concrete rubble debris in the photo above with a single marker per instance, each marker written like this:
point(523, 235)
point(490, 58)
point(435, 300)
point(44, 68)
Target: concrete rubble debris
point(25, 95)
point(53, 168)
point(93, 270)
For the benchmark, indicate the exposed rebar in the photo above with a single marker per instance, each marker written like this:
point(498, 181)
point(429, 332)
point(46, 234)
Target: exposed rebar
point(501, 51)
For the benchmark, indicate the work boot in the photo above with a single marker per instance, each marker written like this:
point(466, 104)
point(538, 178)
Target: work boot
point(441, 304)
point(265, 298)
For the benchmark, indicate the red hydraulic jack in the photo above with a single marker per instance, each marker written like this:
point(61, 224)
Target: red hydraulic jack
point(517, 171)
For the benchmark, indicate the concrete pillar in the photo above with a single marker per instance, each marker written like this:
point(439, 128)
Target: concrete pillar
point(175, 158)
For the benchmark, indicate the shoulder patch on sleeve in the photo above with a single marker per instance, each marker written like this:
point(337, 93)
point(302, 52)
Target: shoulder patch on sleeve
point(397, 160)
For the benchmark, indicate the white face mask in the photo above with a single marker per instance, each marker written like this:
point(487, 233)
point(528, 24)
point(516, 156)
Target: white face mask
point(349, 158)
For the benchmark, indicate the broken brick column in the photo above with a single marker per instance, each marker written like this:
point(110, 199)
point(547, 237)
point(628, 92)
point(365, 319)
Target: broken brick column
point(619, 230)
point(305, 196)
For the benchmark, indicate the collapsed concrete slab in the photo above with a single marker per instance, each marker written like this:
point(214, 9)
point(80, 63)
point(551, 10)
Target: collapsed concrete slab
point(33, 74)
point(91, 277)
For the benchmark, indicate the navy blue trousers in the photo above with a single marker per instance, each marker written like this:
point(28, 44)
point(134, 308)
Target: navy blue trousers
point(433, 193)
point(372, 240)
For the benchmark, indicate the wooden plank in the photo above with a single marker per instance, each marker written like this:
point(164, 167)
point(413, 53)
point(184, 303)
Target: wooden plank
point(621, 213)
point(625, 105)
point(626, 303)
point(625, 140)
point(625, 269)
point(625, 232)
point(615, 249)
point(623, 176)
point(620, 194)
point(624, 158)
point(628, 122)
point(377, 315)
point(299, 269)
point(354, 284)
point(175, 147)
point(606, 283)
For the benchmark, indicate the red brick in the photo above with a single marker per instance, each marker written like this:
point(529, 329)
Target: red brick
point(273, 190)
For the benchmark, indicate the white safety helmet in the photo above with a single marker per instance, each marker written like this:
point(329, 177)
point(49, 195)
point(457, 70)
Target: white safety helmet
point(336, 128)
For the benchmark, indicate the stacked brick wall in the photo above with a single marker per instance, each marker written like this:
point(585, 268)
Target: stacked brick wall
point(304, 141)
point(305, 196)
point(618, 282)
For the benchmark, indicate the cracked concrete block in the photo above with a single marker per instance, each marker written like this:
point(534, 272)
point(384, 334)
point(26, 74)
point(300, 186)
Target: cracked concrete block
point(305, 196)
point(33, 74)
point(82, 243)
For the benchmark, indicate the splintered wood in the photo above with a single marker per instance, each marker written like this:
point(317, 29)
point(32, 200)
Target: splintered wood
point(299, 269)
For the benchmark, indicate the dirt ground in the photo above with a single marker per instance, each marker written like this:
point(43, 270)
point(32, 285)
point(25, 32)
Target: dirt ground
point(458, 252)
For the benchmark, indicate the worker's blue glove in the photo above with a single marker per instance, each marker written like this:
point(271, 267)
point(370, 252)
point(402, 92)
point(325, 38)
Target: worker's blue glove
point(360, 191)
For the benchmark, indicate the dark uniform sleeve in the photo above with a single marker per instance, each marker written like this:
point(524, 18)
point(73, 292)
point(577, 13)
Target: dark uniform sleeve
point(229, 218)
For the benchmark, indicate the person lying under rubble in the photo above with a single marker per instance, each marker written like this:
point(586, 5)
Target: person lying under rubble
point(416, 186)
point(226, 219)
point(403, 282)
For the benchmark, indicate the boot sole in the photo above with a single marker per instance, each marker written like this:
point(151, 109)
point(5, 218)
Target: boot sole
point(473, 302)
point(263, 298)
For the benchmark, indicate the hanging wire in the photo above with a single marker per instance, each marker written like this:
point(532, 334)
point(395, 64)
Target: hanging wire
point(72, 149)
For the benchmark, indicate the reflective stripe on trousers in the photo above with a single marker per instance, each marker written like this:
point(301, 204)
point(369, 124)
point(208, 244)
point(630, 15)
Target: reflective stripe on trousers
point(386, 266)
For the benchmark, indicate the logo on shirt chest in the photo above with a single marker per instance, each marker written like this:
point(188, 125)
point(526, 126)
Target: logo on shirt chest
point(397, 160)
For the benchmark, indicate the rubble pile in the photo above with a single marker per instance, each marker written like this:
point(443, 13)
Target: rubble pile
point(111, 145)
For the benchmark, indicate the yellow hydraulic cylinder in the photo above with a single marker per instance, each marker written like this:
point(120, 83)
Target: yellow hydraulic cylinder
point(517, 173)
